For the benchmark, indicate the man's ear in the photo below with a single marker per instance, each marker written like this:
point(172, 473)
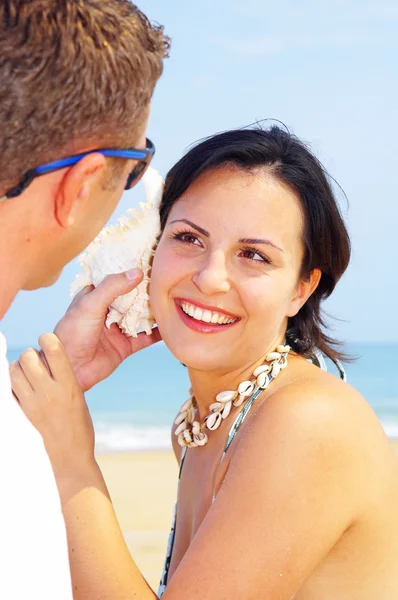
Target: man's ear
point(75, 187)
point(303, 291)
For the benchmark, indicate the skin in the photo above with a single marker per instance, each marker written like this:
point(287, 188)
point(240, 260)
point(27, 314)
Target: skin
point(55, 218)
point(306, 496)
point(41, 230)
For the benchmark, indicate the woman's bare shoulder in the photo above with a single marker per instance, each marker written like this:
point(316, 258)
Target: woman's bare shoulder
point(317, 415)
point(314, 396)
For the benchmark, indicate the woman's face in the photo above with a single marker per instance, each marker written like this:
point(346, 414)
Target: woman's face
point(225, 275)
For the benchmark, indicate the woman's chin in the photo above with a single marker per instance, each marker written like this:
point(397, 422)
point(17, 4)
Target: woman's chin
point(193, 360)
point(198, 358)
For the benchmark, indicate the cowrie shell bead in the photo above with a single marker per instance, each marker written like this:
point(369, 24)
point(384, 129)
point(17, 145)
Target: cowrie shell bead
point(227, 410)
point(283, 349)
point(213, 421)
point(200, 439)
point(263, 380)
point(245, 388)
point(182, 426)
point(181, 440)
point(191, 414)
point(239, 400)
point(196, 428)
point(187, 436)
point(226, 396)
point(186, 405)
point(275, 369)
point(261, 369)
point(216, 406)
point(180, 418)
point(273, 356)
point(283, 362)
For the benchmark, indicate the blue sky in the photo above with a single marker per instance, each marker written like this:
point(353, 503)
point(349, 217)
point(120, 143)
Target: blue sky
point(327, 70)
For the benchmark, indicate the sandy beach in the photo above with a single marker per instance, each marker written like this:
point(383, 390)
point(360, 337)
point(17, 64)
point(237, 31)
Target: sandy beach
point(143, 488)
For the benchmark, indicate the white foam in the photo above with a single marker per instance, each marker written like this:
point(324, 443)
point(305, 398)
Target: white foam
point(391, 428)
point(129, 438)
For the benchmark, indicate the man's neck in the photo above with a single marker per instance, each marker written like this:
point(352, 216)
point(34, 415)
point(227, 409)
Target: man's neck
point(5, 302)
point(8, 287)
point(12, 250)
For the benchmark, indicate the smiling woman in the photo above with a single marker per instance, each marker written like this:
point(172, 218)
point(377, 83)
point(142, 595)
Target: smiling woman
point(288, 487)
point(252, 242)
point(257, 177)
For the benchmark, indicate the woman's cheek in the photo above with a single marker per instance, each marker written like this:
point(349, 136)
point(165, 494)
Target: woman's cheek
point(263, 299)
point(162, 278)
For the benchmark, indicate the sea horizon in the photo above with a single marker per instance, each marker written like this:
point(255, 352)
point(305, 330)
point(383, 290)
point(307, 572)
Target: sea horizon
point(134, 408)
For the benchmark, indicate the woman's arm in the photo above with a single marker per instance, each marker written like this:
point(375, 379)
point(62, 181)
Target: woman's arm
point(289, 495)
point(101, 565)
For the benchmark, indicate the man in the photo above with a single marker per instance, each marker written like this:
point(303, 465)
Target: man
point(76, 76)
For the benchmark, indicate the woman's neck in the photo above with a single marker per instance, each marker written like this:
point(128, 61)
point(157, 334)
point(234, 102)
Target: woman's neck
point(207, 384)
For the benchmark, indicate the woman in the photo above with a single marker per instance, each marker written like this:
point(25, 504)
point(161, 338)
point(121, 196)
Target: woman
point(298, 498)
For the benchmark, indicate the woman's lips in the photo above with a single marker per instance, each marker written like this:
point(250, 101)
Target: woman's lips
point(197, 304)
point(202, 326)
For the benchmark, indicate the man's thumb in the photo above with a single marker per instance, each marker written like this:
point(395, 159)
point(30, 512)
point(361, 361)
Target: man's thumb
point(98, 301)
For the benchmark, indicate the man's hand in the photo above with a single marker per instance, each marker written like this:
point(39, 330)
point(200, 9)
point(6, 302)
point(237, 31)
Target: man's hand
point(94, 350)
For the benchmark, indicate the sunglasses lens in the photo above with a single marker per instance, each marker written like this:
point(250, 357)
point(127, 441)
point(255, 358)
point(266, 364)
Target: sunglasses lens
point(136, 174)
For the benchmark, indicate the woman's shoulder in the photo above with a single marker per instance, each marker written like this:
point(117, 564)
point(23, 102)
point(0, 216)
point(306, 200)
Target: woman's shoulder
point(320, 418)
point(309, 395)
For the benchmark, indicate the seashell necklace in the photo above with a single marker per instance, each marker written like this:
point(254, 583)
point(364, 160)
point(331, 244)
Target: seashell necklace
point(191, 433)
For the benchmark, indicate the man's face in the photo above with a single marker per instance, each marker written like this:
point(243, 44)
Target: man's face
point(92, 213)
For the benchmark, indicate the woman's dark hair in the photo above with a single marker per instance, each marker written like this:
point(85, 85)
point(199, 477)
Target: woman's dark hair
point(325, 237)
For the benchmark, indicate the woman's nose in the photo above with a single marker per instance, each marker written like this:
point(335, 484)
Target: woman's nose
point(212, 277)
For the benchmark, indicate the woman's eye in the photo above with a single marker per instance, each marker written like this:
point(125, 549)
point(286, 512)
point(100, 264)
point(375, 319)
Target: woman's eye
point(187, 238)
point(254, 255)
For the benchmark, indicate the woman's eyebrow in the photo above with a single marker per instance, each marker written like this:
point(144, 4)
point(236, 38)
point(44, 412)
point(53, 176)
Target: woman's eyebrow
point(255, 241)
point(252, 241)
point(200, 229)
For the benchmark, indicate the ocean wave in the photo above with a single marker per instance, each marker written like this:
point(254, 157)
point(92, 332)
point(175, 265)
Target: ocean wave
point(123, 437)
point(130, 438)
point(391, 429)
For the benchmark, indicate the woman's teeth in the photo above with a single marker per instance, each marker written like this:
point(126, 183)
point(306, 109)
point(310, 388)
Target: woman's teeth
point(208, 316)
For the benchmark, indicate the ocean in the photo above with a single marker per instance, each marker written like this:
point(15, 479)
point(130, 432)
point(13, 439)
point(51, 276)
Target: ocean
point(134, 408)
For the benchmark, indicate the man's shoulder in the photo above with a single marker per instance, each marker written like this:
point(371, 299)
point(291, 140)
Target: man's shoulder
point(5, 385)
point(3, 348)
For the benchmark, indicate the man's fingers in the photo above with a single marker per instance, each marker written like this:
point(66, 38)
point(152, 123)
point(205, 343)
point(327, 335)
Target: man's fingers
point(57, 359)
point(19, 383)
point(97, 302)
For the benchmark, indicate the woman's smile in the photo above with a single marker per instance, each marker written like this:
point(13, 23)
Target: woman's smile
point(204, 319)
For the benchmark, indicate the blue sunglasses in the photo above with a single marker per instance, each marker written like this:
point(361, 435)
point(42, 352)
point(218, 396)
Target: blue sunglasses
point(143, 156)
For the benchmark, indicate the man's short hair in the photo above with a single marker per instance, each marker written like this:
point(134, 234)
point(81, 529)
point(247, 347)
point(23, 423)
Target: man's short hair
point(70, 71)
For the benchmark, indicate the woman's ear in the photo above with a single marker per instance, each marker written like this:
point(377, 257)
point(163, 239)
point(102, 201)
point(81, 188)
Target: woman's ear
point(76, 187)
point(305, 288)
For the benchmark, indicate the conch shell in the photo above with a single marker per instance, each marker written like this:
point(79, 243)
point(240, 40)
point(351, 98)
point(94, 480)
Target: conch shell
point(125, 246)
